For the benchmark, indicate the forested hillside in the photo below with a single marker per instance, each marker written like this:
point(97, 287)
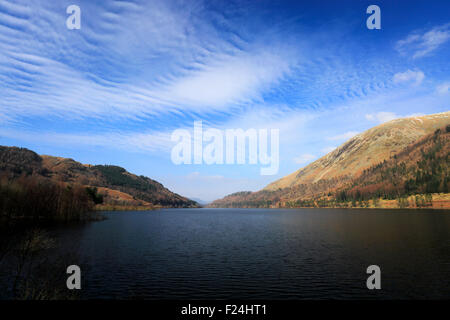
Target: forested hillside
point(45, 186)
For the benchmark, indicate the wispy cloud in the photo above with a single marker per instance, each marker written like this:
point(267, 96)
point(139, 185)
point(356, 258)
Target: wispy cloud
point(304, 158)
point(421, 44)
point(228, 80)
point(328, 149)
point(415, 76)
point(129, 142)
point(381, 117)
point(96, 71)
point(344, 136)
point(443, 88)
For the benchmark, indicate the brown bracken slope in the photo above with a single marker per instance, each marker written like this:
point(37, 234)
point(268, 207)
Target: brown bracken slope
point(342, 176)
point(365, 149)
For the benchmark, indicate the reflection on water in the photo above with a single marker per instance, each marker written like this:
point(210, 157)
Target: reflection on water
point(264, 253)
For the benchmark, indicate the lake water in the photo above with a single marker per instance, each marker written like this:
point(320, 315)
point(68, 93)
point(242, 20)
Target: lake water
point(264, 254)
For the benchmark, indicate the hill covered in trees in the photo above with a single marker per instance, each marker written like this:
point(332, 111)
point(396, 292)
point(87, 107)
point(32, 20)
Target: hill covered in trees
point(119, 186)
point(39, 186)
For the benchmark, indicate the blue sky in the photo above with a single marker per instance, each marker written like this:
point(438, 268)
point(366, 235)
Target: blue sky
point(114, 91)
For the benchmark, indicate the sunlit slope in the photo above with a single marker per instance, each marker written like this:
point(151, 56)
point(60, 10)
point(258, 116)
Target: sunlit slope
point(365, 150)
point(417, 176)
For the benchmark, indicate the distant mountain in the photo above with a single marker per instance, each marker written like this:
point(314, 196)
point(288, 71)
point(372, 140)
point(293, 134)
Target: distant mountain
point(115, 184)
point(353, 171)
point(200, 201)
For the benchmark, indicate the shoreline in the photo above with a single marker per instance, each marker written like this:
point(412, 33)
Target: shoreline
point(416, 201)
point(370, 208)
point(100, 208)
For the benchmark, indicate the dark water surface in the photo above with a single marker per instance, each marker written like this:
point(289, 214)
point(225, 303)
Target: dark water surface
point(264, 254)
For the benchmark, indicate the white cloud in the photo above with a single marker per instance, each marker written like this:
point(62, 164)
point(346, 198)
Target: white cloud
point(344, 136)
point(408, 76)
point(327, 149)
point(230, 79)
point(176, 65)
point(381, 117)
point(422, 44)
point(304, 158)
point(443, 88)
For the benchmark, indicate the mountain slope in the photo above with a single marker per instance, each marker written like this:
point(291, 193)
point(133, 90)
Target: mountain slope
point(365, 150)
point(388, 161)
point(118, 186)
point(421, 168)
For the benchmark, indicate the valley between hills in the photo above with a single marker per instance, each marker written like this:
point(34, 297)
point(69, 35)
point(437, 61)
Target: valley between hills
point(403, 163)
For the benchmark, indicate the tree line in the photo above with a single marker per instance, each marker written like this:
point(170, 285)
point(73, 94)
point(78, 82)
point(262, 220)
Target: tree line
point(36, 198)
